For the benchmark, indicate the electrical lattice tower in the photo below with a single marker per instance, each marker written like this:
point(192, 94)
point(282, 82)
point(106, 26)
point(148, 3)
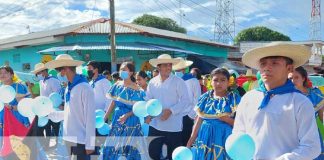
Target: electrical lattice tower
point(224, 28)
point(315, 34)
point(315, 22)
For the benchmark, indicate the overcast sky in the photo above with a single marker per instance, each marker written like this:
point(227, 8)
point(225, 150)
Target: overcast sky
point(290, 17)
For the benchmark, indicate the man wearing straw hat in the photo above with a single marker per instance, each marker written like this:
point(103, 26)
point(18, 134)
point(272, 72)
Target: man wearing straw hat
point(172, 92)
point(47, 85)
point(79, 110)
point(194, 92)
point(279, 118)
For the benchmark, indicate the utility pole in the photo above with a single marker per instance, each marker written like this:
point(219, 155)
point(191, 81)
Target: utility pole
point(112, 37)
point(180, 13)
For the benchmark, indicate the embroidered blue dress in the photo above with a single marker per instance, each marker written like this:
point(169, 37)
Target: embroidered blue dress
point(123, 137)
point(210, 143)
point(316, 97)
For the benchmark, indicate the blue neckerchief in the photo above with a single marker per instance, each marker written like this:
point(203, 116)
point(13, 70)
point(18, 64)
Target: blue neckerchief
point(76, 80)
point(187, 76)
point(100, 77)
point(288, 87)
point(46, 78)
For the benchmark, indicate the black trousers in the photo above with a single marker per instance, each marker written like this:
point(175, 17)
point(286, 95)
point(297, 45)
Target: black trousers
point(187, 129)
point(76, 151)
point(44, 140)
point(51, 129)
point(171, 139)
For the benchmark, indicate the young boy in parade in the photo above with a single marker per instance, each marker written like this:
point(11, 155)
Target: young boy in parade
point(124, 138)
point(277, 116)
point(215, 110)
point(300, 79)
point(47, 84)
point(172, 92)
point(79, 112)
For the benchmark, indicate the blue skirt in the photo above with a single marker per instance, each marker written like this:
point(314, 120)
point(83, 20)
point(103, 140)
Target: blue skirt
point(124, 140)
point(210, 143)
point(321, 156)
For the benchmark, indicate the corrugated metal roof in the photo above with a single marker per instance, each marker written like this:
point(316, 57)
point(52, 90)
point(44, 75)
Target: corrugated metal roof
point(120, 46)
point(102, 26)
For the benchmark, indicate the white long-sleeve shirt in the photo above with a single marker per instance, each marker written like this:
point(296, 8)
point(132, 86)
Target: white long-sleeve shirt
point(79, 116)
point(284, 130)
point(194, 92)
point(100, 89)
point(49, 86)
point(173, 94)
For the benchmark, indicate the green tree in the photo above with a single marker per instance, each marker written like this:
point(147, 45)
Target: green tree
point(260, 33)
point(158, 22)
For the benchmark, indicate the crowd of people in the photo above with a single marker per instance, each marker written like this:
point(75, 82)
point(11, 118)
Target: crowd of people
point(277, 108)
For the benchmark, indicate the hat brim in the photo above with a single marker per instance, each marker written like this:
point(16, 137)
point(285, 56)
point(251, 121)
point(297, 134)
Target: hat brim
point(38, 70)
point(155, 62)
point(63, 63)
point(298, 53)
point(179, 67)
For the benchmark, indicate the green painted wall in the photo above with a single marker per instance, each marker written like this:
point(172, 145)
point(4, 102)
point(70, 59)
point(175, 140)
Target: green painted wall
point(18, 56)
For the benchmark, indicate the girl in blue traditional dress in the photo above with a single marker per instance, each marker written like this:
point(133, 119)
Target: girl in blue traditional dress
point(125, 135)
point(215, 110)
point(300, 80)
point(6, 78)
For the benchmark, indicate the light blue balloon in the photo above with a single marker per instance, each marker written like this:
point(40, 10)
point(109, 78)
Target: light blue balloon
point(145, 129)
point(104, 130)
point(181, 153)
point(7, 93)
point(154, 107)
point(25, 107)
point(42, 121)
point(1, 106)
point(240, 146)
point(42, 106)
point(139, 109)
point(99, 121)
point(100, 113)
point(56, 99)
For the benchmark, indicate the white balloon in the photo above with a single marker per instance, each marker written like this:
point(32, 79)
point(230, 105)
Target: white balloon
point(25, 107)
point(7, 93)
point(42, 106)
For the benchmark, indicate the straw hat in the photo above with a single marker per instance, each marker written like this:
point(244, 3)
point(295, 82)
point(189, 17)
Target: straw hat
point(163, 58)
point(182, 64)
point(300, 54)
point(249, 73)
point(38, 67)
point(63, 60)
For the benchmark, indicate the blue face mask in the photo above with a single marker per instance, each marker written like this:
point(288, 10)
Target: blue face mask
point(123, 74)
point(62, 78)
point(40, 77)
point(178, 74)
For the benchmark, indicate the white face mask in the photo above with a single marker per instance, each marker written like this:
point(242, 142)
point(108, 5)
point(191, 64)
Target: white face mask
point(40, 77)
point(62, 78)
point(178, 74)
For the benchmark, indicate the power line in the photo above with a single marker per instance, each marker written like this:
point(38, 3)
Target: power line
point(31, 5)
point(202, 29)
